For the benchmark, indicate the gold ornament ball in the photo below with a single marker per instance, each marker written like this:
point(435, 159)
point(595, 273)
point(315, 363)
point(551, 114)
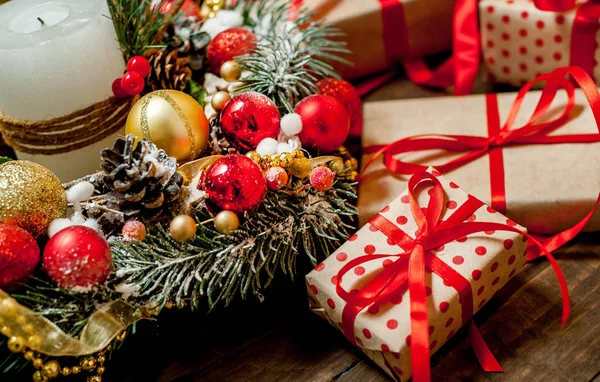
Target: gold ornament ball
point(66, 371)
point(219, 100)
point(231, 71)
point(88, 363)
point(182, 228)
point(38, 363)
point(76, 369)
point(51, 369)
point(31, 196)
point(254, 156)
point(300, 168)
point(172, 120)
point(16, 344)
point(100, 370)
point(226, 222)
point(39, 377)
point(29, 355)
point(95, 378)
point(286, 159)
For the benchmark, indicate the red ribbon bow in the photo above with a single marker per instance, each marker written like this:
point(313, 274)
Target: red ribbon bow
point(407, 271)
point(533, 132)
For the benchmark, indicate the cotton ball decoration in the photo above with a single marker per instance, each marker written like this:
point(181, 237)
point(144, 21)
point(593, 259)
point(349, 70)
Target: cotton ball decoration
point(93, 224)
point(267, 146)
point(80, 192)
point(58, 225)
point(223, 20)
point(284, 148)
point(291, 124)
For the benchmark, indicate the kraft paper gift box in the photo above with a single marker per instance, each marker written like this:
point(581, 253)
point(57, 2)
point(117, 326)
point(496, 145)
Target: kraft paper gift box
point(487, 260)
point(520, 41)
point(548, 187)
point(423, 28)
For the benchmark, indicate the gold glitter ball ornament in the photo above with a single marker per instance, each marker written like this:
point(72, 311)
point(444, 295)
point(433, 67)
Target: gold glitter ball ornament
point(173, 121)
point(31, 196)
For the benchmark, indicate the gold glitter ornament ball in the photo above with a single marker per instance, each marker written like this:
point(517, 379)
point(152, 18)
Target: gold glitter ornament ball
point(31, 196)
point(172, 120)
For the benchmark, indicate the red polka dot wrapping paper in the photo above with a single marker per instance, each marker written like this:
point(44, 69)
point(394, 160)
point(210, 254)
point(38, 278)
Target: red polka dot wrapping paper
point(487, 260)
point(428, 24)
point(520, 41)
point(548, 187)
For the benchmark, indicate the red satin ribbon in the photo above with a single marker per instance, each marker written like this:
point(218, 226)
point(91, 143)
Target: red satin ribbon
point(583, 34)
point(532, 132)
point(554, 5)
point(407, 271)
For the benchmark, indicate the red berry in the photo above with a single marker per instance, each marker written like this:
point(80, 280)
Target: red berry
point(118, 90)
point(132, 83)
point(134, 230)
point(139, 65)
point(321, 178)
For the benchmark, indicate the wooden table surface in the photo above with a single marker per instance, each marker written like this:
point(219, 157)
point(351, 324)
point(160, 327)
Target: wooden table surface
point(281, 340)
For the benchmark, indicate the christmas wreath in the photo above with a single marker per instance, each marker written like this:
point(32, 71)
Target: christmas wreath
point(231, 171)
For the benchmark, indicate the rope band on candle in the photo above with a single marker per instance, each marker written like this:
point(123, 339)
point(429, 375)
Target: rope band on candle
point(69, 132)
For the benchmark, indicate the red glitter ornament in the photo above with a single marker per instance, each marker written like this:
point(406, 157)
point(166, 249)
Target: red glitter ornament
point(118, 90)
point(140, 65)
point(235, 183)
point(189, 8)
point(248, 118)
point(19, 254)
point(321, 178)
point(132, 83)
point(77, 256)
point(344, 92)
point(134, 230)
point(227, 45)
point(325, 123)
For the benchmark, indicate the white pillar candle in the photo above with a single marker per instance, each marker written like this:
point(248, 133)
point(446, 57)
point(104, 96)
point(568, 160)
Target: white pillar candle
point(54, 68)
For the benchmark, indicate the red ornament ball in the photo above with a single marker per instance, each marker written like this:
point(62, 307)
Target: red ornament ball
point(248, 118)
point(140, 65)
point(325, 123)
point(118, 90)
point(189, 8)
point(228, 45)
point(321, 178)
point(134, 230)
point(132, 83)
point(235, 183)
point(19, 254)
point(77, 256)
point(344, 92)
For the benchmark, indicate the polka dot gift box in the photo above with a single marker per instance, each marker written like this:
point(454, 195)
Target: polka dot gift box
point(520, 41)
point(459, 271)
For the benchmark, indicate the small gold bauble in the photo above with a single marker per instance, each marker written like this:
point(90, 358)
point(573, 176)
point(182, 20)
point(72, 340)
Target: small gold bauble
point(16, 344)
point(300, 168)
point(121, 336)
point(351, 163)
point(169, 305)
point(76, 369)
point(34, 341)
point(182, 228)
point(8, 306)
point(95, 378)
point(299, 154)
point(219, 100)
point(66, 371)
point(101, 359)
point(231, 71)
point(286, 159)
point(51, 369)
point(181, 304)
point(88, 363)
point(254, 156)
point(5, 330)
point(31, 196)
point(172, 120)
point(39, 377)
point(38, 363)
point(29, 355)
point(274, 161)
point(100, 370)
point(353, 175)
point(226, 222)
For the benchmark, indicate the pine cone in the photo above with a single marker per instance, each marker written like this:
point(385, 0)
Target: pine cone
point(141, 179)
point(168, 70)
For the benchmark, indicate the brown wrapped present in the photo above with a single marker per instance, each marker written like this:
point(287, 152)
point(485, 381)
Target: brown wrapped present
point(381, 35)
point(547, 187)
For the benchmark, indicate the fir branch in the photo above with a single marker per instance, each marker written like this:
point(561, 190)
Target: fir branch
point(291, 57)
point(218, 268)
point(137, 25)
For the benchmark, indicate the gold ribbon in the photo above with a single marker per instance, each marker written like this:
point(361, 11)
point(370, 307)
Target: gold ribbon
point(40, 334)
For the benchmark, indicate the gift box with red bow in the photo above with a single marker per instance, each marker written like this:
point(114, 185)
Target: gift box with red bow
point(532, 155)
point(417, 272)
point(381, 34)
point(523, 38)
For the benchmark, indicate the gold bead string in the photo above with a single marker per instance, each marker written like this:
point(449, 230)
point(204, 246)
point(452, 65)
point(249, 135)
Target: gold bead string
point(211, 7)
